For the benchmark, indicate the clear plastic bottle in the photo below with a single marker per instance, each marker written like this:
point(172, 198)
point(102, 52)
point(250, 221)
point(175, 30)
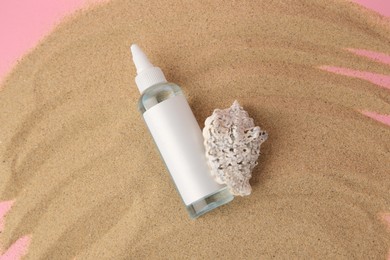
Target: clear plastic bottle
point(178, 138)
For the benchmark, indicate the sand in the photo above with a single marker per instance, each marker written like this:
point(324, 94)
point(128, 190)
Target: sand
point(88, 181)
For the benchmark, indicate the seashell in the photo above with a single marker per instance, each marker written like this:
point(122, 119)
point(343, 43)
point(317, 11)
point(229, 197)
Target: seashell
point(232, 143)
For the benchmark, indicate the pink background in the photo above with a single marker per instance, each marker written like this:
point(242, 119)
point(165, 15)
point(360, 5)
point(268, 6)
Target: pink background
point(24, 22)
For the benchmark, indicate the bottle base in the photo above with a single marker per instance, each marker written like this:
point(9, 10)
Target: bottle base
point(209, 202)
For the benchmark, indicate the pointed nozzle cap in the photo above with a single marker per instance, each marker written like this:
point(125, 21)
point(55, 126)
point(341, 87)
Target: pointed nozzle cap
point(140, 60)
point(147, 74)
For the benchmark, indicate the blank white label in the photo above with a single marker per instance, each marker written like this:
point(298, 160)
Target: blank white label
point(180, 142)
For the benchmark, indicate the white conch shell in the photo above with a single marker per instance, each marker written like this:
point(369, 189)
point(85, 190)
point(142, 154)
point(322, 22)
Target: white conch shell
point(232, 143)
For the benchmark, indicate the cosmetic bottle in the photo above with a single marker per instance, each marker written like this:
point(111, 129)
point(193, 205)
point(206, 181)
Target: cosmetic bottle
point(178, 138)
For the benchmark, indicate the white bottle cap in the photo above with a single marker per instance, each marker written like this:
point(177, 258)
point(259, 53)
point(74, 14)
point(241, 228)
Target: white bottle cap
point(147, 74)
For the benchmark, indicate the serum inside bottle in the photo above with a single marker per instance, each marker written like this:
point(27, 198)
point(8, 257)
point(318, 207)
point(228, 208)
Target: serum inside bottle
point(157, 94)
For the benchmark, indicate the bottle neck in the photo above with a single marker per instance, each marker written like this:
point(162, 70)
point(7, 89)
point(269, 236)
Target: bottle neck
point(157, 94)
